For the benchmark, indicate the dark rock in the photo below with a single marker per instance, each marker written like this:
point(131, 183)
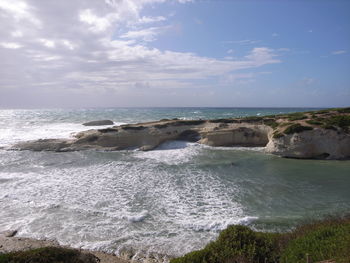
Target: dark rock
point(10, 233)
point(98, 123)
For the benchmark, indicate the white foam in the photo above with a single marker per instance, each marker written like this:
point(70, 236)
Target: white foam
point(172, 152)
point(219, 225)
point(26, 132)
point(138, 217)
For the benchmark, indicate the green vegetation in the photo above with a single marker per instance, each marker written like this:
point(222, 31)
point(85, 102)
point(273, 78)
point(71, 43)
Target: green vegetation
point(48, 255)
point(342, 121)
point(252, 119)
point(271, 122)
point(235, 244)
point(343, 110)
point(223, 121)
point(314, 122)
point(296, 128)
point(277, 135)
point(320, 240)
point(322, 111)
point(296, 116)
point(329, 127)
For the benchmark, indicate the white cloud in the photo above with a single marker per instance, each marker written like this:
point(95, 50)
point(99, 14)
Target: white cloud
point(339, 52)
point(149, 19)
point(19, 10)
point(17, 33)
point(242, 42)
point(98, 48)
point(47, 42)
point(10, 45)
point(307, 81)
point(148, 34)
point(275, 35)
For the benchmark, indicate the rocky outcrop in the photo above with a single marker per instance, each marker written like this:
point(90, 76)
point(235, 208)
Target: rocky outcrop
point(303, 135)
point(313, 144)
point(98, 123)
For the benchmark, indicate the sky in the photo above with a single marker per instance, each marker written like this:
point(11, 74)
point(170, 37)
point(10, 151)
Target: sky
point(174, 53)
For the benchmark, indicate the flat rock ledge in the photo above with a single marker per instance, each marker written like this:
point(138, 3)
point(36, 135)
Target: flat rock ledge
point(98, 123)
point(313, 142)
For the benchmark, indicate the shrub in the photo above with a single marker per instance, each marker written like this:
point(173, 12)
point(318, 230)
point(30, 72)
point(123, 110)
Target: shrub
point(277, 135)
point(343, 110)
point(296, 128)
point(322, 240)
point(250, 119)
point(322, 111)
point(271, 122)
point(342, 121)
point(236, 244)
point(296, 116)
point(48, 255)
point(314, 122)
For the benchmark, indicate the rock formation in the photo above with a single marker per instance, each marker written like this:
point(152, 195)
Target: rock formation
point(320, 134)
point(98, 123)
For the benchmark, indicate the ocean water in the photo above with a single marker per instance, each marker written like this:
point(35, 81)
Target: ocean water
point(168, 201)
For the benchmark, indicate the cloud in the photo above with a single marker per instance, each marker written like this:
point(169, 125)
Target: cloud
point(306, 82)
point(339, 52)
point(242, 42)
point(10, 45)
point(198, 21)
point(148, 34)
point(275, 35)
point(70, 49)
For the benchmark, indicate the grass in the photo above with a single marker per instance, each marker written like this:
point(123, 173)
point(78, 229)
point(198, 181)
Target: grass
point(321, 240)
point(271, 122)
point(235, 244)
point(343, 110)
point(296, 128)
point(314, 122)
point(277, 135)
point(48, 255)
point(296, 116)
point(342, 121)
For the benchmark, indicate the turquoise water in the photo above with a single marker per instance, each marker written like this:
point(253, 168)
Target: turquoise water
point(170, 200)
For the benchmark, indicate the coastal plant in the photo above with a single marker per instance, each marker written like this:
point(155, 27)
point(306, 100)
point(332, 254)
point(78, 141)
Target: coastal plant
point(296, 128)
point(320, 240)
point(314, 122)
point(296, 116)
point(342, 121)
point(234, 245)
point(327, 239)
point(271, 122)
point(277, 135)
point(48, 255)
point(343, 110)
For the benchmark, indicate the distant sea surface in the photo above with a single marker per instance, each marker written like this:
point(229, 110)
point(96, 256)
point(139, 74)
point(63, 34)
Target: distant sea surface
point(171, 200)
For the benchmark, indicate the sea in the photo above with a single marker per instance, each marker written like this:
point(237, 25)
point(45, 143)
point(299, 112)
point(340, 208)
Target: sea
point(168, 201)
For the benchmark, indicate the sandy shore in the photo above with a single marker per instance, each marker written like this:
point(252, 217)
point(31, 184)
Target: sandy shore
point(9, 243)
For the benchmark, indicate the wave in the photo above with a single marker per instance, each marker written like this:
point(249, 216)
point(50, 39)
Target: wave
point(220, 225)
point(29, 131)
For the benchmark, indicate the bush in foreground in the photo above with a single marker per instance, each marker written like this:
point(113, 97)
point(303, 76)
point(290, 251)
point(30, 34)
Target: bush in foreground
point(322, 240)
point(48, 255)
